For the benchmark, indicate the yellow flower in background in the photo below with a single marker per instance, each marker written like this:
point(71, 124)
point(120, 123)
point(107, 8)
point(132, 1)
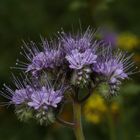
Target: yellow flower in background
point(127, 41)
point(94, 108)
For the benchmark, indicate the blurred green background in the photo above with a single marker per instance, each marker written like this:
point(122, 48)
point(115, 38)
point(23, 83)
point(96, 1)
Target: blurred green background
point(28, 19)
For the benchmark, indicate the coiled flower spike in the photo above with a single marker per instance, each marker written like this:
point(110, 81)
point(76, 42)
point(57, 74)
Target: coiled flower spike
point(37, 100)
point(80, 53)
point(74, 62)
point(113, 66)
point(49, 57)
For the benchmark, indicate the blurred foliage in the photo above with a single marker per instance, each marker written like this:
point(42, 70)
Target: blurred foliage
point(27, 20)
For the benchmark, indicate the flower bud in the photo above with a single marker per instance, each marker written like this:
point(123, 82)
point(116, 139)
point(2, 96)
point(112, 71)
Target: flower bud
point(45, 117)
point(24, 113)
point(104, 89)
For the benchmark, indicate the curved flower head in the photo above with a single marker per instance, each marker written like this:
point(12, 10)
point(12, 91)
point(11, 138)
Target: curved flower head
point(38, 62)
point(45, 101)
point(113, 66)
point(112, 69)
point(73, 61)
point(81, 63)
point(80, 53)
point(54, 97)
point(54, 58)
point(21, 95)
point(50, 56)
point(45, 98)
point(79, 60)
point(80, 42)
point(33, 99)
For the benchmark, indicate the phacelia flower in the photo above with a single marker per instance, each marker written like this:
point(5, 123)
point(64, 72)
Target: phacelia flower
point(79, 60)
point(113, 66)
point(38, 62)
point(45, 98)
point(112, 69)
point(45, 101)
point(80, 53)
point(80, 41)
point(22, 93)
point(32, 99)
point(51, 56)
point(20, 96)
point(54, 58)
point(35, 96)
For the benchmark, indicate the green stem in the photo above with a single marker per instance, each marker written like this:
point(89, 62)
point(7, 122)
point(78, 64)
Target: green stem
point(111, 126)
point(78, 124)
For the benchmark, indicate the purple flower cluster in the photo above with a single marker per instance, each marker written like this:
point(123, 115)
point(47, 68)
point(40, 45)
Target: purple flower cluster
point(38, 101)
point(35, 97)
point(80, 49)
point(45, 98)
point(49, 57)
point(78, 60)
point(112, 69)
point(114, 65)
point(80, 41)
point(38, 62)
point(21, 95)
point(73, 61)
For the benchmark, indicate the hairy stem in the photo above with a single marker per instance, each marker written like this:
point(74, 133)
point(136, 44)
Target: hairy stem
point(78, 124)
